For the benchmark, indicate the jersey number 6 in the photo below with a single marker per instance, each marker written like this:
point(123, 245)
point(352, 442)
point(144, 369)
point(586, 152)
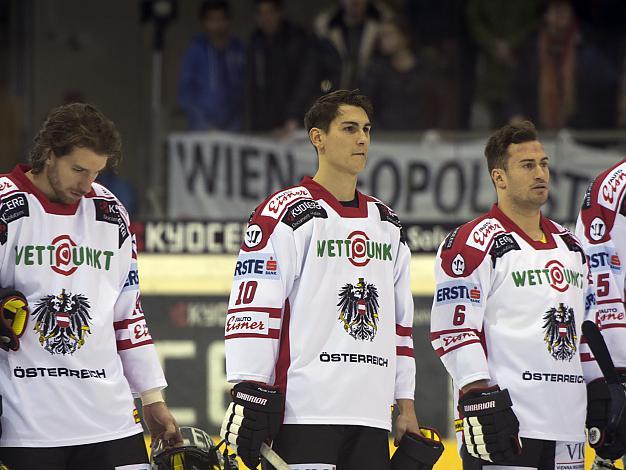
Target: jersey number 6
point(459, 315)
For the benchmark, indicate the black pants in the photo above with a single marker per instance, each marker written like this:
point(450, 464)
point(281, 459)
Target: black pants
point(332, 447)
point(536, 454)
point(106, 455)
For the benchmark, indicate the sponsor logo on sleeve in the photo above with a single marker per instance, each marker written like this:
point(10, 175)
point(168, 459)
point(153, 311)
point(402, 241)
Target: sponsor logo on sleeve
point(139, 331)
point(257, 265)
point(13, 207)
point(597, 229)
point(611, 188)
point(132, 281)
point(458, 265)
point(301, 212)
point(109, 211)
point(610, 314)
point(454, 339)
point(6, 186)
point(502, 244)
point(450, 239)
point(253, 236)
point(247, 322)
point(279, 202)
point(602, 258)
point(483, 233)
point(458, 292)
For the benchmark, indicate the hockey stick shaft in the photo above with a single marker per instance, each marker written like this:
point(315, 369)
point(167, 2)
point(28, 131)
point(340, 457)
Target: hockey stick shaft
point(272, 457)
point(596, 343)
point(598, 347)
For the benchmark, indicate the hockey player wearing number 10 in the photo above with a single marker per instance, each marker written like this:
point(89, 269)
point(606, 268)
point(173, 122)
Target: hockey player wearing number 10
point(506, 320)
point(318, 330)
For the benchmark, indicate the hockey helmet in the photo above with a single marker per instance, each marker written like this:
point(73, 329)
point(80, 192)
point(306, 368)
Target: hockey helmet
point(197, 452)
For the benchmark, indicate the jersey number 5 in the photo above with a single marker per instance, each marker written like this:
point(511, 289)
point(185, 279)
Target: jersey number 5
point(246, 292)
point(603, 285)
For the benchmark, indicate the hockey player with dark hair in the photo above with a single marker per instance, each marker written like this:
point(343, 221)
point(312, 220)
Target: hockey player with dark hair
point(601, 228)
point(510, 299)
point(318, 330)
point(75, 344)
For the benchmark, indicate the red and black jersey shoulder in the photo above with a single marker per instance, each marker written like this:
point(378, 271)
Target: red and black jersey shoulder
point(13, 205)
point(269, 213)
point(388, 215)
point(604, 200)
point(466, 247)
point(303, 211)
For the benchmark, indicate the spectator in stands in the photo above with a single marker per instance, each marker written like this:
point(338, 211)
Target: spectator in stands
point(447, 56)
point(280, 57)
point(394, 82)
point(602, 26)
point(212, 75)
point(499, 28)
point(564, 78)
point(352, 28)
point(11, 126)
point(543, 88)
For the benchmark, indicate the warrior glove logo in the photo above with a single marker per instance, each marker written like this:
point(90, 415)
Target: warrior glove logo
point(62, 322)
point(560, 332)
point(358, 307)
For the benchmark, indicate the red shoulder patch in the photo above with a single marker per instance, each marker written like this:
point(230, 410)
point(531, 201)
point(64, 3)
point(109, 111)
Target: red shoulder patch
point(466, 247)
point(603, 200)
point(268, 214)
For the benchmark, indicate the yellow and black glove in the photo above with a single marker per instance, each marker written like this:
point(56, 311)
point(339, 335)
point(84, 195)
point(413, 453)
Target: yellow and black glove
point(13, 317)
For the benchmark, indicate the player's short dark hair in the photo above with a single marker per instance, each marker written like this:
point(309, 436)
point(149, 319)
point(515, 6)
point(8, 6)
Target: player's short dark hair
point(212, 5)
point(76, 125)
point(326, 108)
point(498, 143)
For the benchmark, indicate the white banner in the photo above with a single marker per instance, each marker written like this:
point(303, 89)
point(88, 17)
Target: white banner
point(219, 176)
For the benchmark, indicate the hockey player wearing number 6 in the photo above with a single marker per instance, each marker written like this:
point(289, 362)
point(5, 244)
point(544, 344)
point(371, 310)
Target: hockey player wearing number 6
point(75, 342)
point(318, 329)
point(510, 299)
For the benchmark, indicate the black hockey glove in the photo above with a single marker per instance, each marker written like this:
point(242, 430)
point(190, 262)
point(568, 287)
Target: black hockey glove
point(490, 428)
point(13, 316)
point(254, 416)
point(418, 452)
point(606, 419)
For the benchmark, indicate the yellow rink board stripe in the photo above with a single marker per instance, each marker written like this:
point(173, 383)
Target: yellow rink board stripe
point(449, 460)
point(163, 274)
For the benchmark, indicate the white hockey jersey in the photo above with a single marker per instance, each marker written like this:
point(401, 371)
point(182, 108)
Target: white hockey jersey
point(509, 310)
point(321, 306)
point(601, 228)
point(86, 345)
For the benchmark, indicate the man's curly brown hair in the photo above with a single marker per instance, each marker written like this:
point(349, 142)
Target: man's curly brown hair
point(76, 125)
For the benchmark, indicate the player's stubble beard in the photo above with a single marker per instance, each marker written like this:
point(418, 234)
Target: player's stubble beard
point(54, 180)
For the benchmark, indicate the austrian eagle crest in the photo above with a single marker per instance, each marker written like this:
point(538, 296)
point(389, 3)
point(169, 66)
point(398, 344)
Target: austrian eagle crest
point(560, 332)
point(62, 322)
point(358, 309)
